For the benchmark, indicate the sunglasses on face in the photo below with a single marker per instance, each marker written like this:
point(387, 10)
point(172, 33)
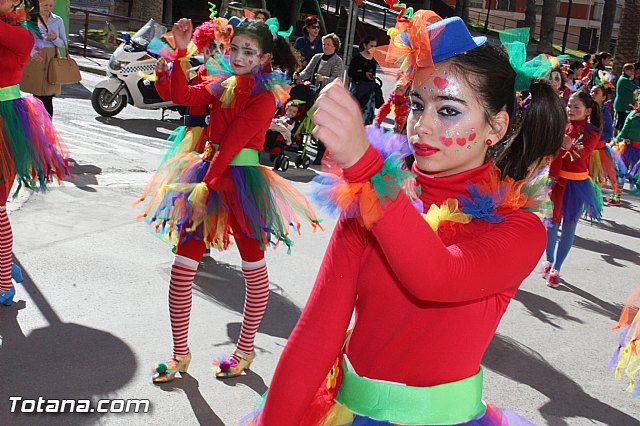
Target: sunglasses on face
point(315, 27)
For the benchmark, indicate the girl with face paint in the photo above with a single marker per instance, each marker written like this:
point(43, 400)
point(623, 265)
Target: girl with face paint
point(429, 276)
point(31, 150)
point(196, 200)
point(573, 192)
point(211, 38)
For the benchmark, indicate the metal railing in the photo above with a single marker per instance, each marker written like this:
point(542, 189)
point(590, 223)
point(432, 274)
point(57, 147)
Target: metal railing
point(104, 15)
point(498, 23)
point(367, 9)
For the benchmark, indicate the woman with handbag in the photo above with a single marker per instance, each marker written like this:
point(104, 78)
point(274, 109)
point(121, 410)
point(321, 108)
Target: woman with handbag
point(34, 78)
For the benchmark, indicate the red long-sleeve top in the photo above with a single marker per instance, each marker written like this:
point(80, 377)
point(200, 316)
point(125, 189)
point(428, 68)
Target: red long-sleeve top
point(15, 47)
point(242, 125)
point(572, 163)
point(427, 304)
point(163, 86)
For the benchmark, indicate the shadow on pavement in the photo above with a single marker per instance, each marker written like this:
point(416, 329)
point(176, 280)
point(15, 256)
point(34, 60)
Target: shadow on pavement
point(60, 361)
point(223, 284)
point(546, 310)
point(141, 126)
point(618, 228)
point(83, 175)
point(75, 91)
point(250, 380)
point(609, 251)
point(201, 408)
point(592, 303)
point(567, 399)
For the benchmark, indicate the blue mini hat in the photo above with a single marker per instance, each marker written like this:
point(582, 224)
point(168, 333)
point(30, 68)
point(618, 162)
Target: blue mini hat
point(450, 37)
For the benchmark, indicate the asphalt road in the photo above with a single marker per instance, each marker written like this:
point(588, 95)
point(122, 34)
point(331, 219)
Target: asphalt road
point(91, 317)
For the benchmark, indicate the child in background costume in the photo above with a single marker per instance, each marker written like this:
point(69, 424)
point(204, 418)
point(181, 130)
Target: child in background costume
point(197, 200)
point(574, 192)
point(210, 38)
point(31, 151)
point(629, 144)
point(398, 103)
point(626, 357)
point(605, 161)
point(451, 292)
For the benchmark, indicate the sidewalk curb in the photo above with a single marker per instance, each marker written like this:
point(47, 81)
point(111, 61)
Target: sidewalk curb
point(92, 70)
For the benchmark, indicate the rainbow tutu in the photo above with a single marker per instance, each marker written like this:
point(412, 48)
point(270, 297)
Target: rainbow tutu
point(184, 140)
point(179, 205)
point(31, 151)
point(606, 164)
point(626, 357)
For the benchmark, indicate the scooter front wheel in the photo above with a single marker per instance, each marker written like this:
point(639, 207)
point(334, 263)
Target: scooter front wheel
point(105, 104)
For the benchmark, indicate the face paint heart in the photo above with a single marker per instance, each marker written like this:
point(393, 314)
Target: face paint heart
point(250, 62)
point(472, 136)
point(247, 45)
point(441, 83)
point(461, 141)
point(446, 141)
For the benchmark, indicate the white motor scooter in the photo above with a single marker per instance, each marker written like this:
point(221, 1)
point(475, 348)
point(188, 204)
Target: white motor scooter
point(123, 84)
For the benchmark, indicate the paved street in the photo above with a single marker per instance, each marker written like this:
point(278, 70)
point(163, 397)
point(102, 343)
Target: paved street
point(91, 317)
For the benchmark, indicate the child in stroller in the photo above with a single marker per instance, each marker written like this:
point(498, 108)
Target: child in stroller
point(288, 129)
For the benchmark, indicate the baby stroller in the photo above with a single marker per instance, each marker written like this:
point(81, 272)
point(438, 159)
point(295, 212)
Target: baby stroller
point(275, 144)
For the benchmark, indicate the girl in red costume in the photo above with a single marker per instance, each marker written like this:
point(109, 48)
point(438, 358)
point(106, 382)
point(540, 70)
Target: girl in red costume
point(210, 38)
point(225, 192)
point(428, 286)
point(31, 151)
point(574, 192)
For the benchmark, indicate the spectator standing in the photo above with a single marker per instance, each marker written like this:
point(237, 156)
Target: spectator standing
point(34, 78)
point(362, 72)
point(624, 95)
point(310, 43)
point(322, 70)
point(324, 67)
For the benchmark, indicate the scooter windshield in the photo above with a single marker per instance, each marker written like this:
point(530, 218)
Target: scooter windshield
point(145, 34)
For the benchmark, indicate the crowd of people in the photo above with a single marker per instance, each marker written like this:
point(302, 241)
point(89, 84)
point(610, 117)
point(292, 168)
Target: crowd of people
point(466, 175)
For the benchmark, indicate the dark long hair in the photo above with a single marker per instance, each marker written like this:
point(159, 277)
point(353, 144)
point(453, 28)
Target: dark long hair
point(596, 114)
point(365, 40)
point(534, 133)
point(282, 54)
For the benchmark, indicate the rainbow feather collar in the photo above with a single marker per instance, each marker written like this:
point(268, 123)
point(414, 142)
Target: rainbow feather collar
point(224, 84)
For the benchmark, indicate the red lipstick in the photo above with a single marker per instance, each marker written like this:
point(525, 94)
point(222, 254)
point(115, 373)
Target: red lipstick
point(424, 150)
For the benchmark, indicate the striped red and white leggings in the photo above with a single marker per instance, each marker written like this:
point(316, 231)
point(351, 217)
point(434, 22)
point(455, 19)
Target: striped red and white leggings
point(6, 242)
point(183, 271)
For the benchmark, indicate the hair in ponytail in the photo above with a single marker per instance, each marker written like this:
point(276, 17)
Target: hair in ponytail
point(596, 114)
point(534, 133)
point(285, 56)
point(282, 54)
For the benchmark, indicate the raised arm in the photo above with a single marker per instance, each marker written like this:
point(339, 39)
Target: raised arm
point(181, 92)
point(317, 338)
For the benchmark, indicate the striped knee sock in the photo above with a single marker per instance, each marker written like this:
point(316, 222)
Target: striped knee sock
point(255, 303)
point(180, 299)
point(6, 248)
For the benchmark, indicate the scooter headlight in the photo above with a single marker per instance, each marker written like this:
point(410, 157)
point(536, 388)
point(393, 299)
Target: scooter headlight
point(116, 65)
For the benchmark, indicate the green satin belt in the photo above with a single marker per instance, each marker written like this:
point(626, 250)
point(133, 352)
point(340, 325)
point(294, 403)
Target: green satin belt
point(446, 404)
point(10, 93)
point(246, 157)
